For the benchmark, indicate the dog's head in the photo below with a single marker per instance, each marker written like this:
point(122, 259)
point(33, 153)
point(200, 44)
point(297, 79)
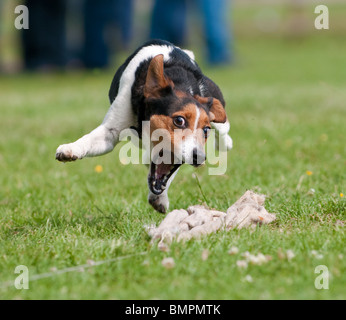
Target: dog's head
point(179, 125)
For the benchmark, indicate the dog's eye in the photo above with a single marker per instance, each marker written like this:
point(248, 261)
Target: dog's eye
point(206, 131)
point(179, 122)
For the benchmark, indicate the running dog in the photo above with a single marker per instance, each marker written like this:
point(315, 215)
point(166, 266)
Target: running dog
point(162, 85)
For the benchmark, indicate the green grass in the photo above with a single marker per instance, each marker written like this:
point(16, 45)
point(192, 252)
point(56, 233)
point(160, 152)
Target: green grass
point(286, 103)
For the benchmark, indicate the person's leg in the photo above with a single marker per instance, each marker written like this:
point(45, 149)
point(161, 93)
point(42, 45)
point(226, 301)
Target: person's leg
point(96, 17)
point(169, 21)
point(217, 30)
point(124, 9)
point(44, 43)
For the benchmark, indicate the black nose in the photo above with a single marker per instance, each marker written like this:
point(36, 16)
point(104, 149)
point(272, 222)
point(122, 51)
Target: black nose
point(198, 157)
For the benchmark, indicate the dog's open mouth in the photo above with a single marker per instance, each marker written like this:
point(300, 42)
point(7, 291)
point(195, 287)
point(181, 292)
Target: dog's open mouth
point(159, 175)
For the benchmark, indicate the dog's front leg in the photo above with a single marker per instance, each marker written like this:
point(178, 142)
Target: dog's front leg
point(161, 202)
point(99, 141)
point(102, 139)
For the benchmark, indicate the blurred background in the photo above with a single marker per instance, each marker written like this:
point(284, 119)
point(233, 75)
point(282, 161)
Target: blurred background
point(87, 34)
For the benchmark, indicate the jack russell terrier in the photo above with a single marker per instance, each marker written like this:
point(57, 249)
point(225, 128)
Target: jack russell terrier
point(162, 85)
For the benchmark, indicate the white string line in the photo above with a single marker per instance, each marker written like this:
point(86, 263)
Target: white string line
point(79, 268)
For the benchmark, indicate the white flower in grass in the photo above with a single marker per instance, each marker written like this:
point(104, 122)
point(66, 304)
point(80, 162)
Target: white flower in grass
point(254, 259)
point(311, 191)
point(316, 255)
point(262, 258)
point(146, 263)
point(290, 254)
point(205, 254)
point(248, 278)
point(246, 255)
point(259, 259)
point(241, 264)
point(233, 251)
point(168, 263)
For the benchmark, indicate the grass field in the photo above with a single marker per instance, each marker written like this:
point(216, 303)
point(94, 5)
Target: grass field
point(286, 103)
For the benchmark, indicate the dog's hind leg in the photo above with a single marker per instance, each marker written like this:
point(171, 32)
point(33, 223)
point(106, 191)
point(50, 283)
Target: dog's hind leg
point(102, 139)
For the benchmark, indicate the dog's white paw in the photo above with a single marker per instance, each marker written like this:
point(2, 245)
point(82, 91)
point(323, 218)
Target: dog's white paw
point(67, 153)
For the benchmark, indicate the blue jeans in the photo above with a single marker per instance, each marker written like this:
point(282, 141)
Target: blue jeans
point(98, 15)
point(169, 21)
point(216, 30)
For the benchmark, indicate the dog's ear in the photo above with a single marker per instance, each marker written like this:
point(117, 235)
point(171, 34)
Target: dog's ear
point(156, 83)
point(217, 112)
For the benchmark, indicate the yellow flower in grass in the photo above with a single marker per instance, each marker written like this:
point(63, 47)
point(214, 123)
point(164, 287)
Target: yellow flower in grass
point(323, 137)
point(98, 168)
point(309, 173)
point(341, 195)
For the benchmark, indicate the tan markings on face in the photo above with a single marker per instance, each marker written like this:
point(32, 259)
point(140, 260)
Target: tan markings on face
point(196, 118)
point(163, 126)
point(203, 119)
point(189, 113)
